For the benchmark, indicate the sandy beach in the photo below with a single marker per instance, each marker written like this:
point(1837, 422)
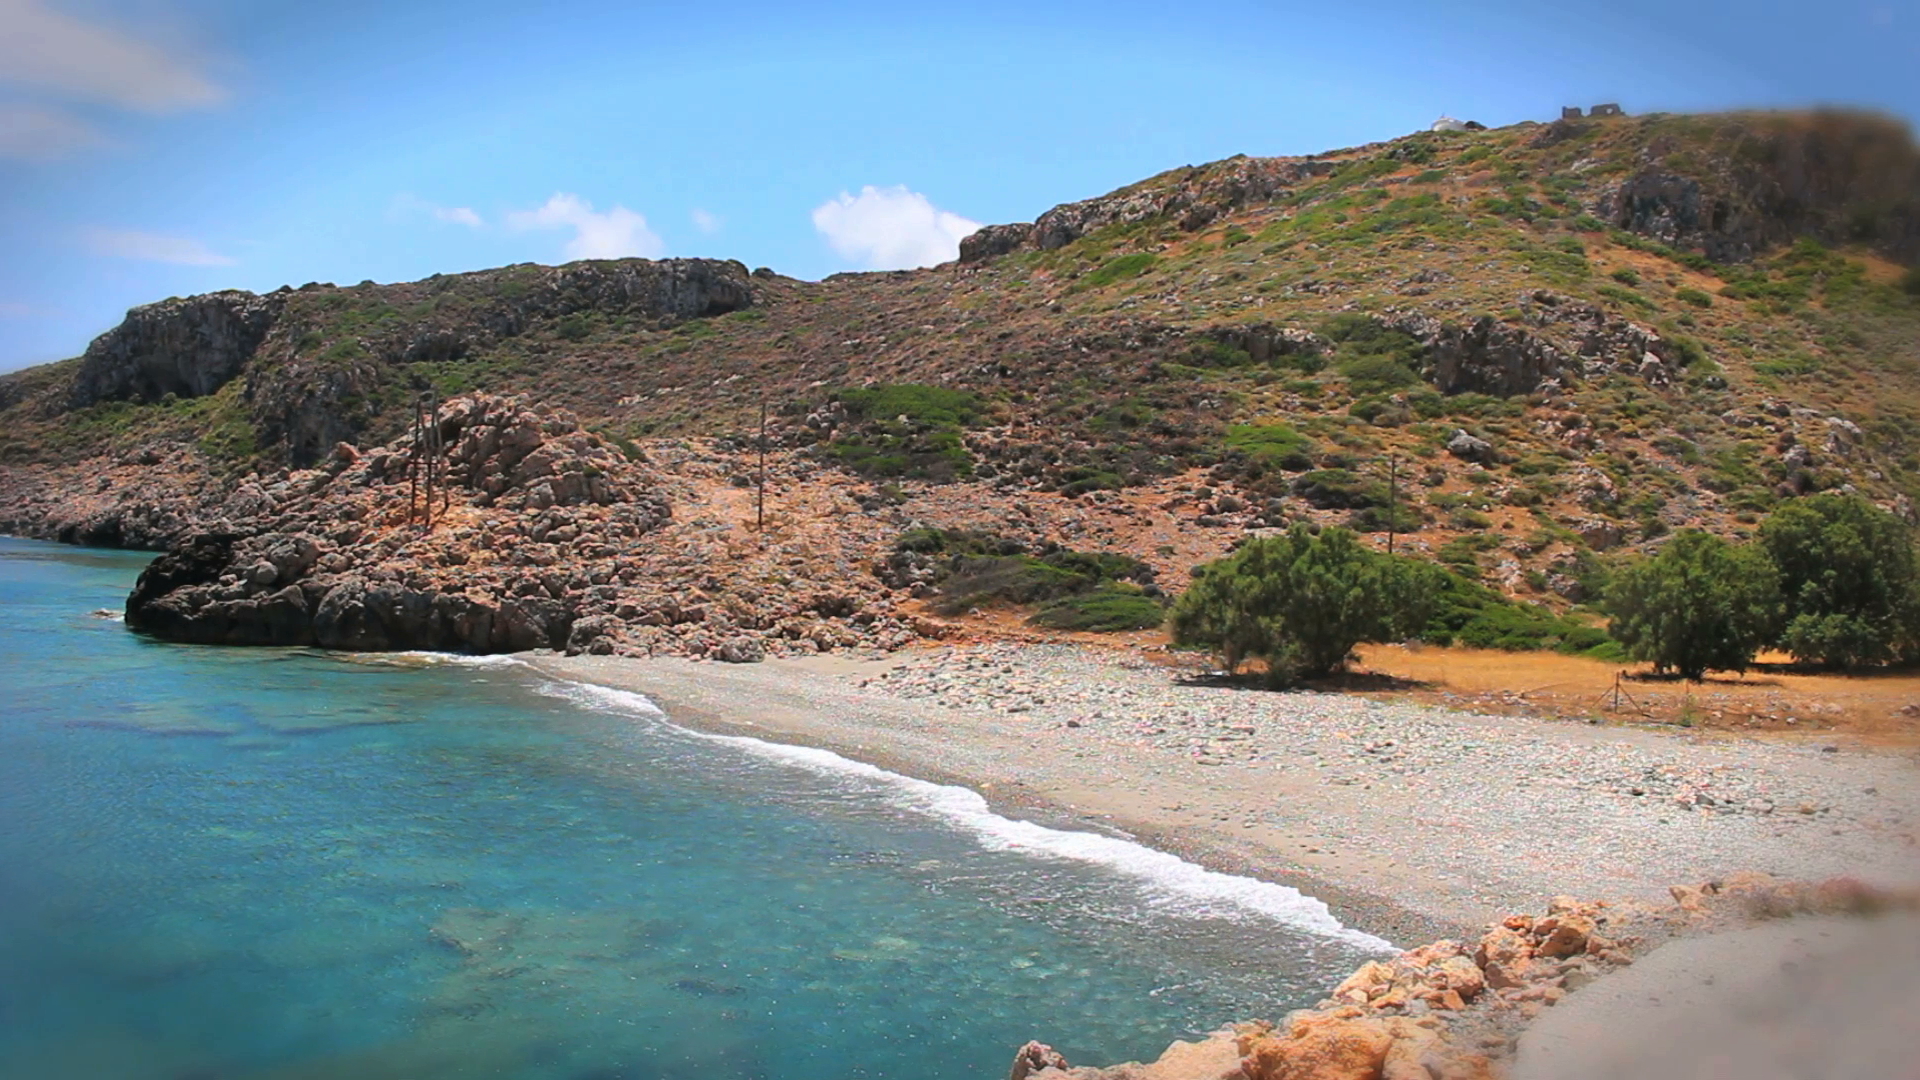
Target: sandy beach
point(1410, 822)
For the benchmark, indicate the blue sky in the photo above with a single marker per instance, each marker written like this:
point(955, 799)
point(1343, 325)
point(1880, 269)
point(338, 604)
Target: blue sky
point(151, 148)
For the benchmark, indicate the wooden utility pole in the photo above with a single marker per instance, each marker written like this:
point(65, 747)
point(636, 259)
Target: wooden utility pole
point(423, 464)
point(413, 468)
point(760, 514)
point(1393, 497)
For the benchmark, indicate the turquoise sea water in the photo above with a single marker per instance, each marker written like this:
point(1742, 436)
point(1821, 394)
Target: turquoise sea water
point(250, 864)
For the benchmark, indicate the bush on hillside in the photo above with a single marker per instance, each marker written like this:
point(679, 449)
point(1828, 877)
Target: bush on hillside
point(1302, 600)
point(1109, 608)
point(1076, 590)
point(906, 430)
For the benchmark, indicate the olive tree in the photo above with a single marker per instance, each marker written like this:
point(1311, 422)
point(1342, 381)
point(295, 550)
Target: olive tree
point(1848, 581)
point(1700, 604)
point(1302, 600)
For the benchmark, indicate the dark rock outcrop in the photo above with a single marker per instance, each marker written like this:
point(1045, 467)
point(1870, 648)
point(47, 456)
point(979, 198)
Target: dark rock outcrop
point(1558, 340)
point(188, 348)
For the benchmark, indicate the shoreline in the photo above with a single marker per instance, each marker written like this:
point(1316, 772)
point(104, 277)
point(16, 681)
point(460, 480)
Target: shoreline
point(1387, 837)
point(673, 685)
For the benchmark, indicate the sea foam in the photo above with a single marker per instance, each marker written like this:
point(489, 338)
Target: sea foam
point(1168, 881)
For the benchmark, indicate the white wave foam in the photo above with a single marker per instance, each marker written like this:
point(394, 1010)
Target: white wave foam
point(1170, 881)
point(420, 656)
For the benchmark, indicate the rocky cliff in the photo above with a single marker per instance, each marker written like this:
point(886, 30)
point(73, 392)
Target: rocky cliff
point(186, 348)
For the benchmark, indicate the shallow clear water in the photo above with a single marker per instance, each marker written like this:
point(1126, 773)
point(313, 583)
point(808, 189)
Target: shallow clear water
point(277, 864)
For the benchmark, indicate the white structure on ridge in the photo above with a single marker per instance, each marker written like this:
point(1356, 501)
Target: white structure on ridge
point(1448, 123)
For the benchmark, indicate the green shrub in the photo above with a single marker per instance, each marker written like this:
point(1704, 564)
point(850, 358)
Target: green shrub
point(1700, 604)
point(573, 328)
point(1469, 614)
point(1626, 296)
point(1693, 296)
point(1626, 275)
point(1276, 446)
point(1398, 518)
point(906, 430)
point(916, 403)
point(1339, 489)
point(1849, 579)
point(1107, 609)
point(1080, 479)
point(1078, 590)
point(1373, 374)
point(1301, 602)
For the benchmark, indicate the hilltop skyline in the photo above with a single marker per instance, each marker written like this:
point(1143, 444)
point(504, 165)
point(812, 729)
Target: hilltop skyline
point(150, 149)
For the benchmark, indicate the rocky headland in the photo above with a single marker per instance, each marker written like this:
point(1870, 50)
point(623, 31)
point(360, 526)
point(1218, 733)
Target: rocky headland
point(542, 536)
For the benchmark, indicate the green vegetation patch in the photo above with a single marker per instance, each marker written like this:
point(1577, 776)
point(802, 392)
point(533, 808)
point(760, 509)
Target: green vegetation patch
point(1120, 268)
point(1075, 590)
point(1276, 446)
point(906, 430)
point(1107, 609)
point(1471, 614)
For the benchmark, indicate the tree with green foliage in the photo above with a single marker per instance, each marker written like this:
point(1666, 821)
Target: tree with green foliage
point(1849, 581)
point(1302, 600)
point(1701, 604)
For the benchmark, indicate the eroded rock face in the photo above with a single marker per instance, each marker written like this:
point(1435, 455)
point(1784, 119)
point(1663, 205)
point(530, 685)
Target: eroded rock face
point(188, 348)
point(1558, 340)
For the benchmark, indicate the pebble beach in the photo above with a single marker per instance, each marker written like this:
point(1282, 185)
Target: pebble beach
point(1410, 821)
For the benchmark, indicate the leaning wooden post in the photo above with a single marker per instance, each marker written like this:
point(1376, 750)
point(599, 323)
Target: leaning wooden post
point(760, 513)
point(413, 468)
point(1393, 497)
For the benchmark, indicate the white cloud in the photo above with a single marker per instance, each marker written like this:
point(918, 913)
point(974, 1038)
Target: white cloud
point(458, 215)
point(705, 222)
point(153, 247)
point(86, 61)
point(891, 228)
point(38, 133)
point(617, 234)
point(408, 205)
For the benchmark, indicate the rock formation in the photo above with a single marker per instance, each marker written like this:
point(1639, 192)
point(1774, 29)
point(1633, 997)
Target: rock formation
point(187, 348)
point(1451, 1011)
point(1193, 197)
point(328, 557)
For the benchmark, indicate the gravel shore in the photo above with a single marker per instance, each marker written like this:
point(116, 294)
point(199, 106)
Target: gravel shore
point(1410, 821)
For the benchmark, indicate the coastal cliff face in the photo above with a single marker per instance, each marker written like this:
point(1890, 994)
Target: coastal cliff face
point(186, 348)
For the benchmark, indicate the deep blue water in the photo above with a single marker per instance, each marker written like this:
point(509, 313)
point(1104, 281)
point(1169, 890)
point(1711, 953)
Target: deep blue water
point(220, 864)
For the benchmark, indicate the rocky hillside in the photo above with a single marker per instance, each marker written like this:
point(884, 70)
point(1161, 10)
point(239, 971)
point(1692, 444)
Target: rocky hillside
point(1523, 347)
